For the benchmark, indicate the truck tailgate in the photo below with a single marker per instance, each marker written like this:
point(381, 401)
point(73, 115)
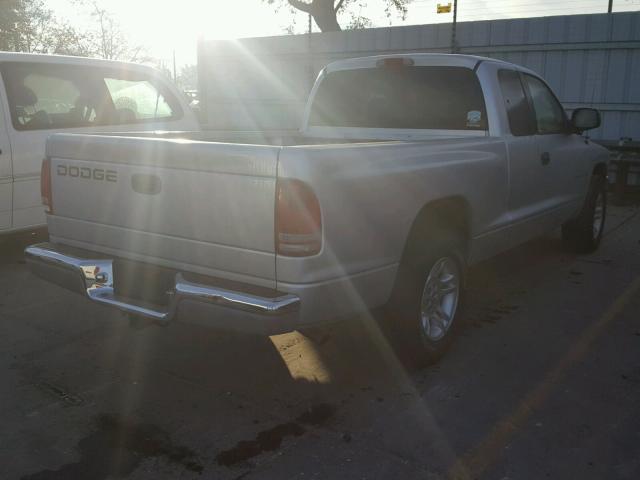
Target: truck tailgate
point(207, 207)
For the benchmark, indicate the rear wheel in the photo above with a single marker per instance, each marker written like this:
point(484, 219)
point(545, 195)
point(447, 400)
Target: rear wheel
point(424, 307)
point(439, 300)
point(584, 233)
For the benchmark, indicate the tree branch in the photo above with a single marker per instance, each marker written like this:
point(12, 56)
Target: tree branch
point(304, 6)
point(337, 7)
point(134, 55)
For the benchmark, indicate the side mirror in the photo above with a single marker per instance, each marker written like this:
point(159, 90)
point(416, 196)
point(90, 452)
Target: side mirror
point(585, 119)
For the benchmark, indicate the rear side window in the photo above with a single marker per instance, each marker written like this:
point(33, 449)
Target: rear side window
point(43, 96)
point(404, 97)
point(137, 99)
point(521, 118)
point(550, 116)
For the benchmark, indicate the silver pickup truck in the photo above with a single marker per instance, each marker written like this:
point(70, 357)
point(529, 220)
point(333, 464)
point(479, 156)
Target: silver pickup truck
point(407, 169)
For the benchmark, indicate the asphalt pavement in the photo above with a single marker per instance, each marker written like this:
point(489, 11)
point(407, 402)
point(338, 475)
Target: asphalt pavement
point(543, 382)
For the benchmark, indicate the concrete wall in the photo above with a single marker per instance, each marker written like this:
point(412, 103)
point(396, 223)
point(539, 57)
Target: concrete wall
point(589, 60)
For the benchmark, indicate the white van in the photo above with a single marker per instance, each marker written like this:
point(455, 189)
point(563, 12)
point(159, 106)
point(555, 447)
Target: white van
point(45, 94)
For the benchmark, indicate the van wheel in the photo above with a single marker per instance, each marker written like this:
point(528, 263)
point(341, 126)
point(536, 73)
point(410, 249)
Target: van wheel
point(584, 233)
point(424, 307)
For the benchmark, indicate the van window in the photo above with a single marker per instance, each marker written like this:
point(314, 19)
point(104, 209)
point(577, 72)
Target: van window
point(404, 97)
point(137, 99)
point(43, 96)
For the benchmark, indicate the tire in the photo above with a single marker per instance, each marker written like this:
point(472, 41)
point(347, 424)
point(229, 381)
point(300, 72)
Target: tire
point(584, 233)
point(422, 336)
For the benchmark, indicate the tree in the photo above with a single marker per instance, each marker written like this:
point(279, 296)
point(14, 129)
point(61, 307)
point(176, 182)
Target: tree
point(8, 21)
point(107, 38)
point(325, 12)
point(28, 26)
point(188, 77)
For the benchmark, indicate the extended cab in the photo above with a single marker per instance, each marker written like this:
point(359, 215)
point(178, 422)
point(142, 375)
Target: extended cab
point(45, 94)
point(408, 168)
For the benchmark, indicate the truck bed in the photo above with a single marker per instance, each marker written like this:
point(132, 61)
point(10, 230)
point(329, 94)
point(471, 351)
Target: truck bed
point(278, 138)
point(207, 207)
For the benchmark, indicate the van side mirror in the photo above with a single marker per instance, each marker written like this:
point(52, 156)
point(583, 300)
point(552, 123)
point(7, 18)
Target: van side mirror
point(585, 119)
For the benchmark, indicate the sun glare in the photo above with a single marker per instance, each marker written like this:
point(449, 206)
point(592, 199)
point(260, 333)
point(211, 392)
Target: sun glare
point(164, 27)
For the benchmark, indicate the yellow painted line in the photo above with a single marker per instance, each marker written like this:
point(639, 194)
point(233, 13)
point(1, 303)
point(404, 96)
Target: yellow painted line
point(487, 452)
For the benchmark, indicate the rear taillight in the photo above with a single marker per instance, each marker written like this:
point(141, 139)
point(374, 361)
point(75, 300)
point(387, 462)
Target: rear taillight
point(298, 219)
point(45, 185)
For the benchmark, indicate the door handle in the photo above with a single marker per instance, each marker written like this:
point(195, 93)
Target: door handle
point(146, 184)
point(545, 158)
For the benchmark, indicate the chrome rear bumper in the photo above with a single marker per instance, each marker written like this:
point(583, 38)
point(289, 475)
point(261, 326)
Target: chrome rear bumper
point(94, 278)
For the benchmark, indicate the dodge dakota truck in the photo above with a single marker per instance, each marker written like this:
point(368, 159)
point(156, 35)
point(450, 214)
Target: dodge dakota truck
point(44, 94)
point(407, 169)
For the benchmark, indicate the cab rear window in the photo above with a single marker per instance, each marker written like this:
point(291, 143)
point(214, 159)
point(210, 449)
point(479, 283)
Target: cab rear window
point(43, 96)
point(404, 97)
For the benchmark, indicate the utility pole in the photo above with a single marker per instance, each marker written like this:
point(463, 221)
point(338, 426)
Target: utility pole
point(454, 45)
point(310, 54)
point(175, 76)
point(610, 6)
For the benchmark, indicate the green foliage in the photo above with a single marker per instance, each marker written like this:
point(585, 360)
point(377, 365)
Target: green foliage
point(28, 26)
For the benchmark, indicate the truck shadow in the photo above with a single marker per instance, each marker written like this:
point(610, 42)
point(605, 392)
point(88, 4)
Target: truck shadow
point(235, 397)
point(348, 371)
point(12, 245)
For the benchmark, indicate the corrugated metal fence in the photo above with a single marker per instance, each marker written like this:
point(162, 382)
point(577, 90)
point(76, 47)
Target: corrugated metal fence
point(589, 60)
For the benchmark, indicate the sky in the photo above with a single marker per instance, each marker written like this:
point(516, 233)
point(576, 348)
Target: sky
point(165, 26)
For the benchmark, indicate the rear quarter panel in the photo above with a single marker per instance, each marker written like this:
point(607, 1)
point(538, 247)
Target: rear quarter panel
point(370, 195)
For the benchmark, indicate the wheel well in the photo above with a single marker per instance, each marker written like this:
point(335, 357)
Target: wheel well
point(600, 169)
point(452, 214)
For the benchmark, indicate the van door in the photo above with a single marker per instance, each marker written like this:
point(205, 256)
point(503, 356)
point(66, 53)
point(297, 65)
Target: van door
point(34, 97)
point(47, 98)
point(6, 177)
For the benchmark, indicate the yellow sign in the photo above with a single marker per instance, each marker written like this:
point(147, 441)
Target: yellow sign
point(444, 8)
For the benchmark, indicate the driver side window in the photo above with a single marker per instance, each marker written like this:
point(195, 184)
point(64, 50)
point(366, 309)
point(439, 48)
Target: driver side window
point(56, 96)
point(43, 100)
point(550, 116)
point(48, 97)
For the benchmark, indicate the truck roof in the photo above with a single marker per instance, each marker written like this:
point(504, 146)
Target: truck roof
point(420, 59)
point(69, 60)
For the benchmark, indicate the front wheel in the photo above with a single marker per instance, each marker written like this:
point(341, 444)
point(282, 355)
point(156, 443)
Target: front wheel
point(584, 233)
